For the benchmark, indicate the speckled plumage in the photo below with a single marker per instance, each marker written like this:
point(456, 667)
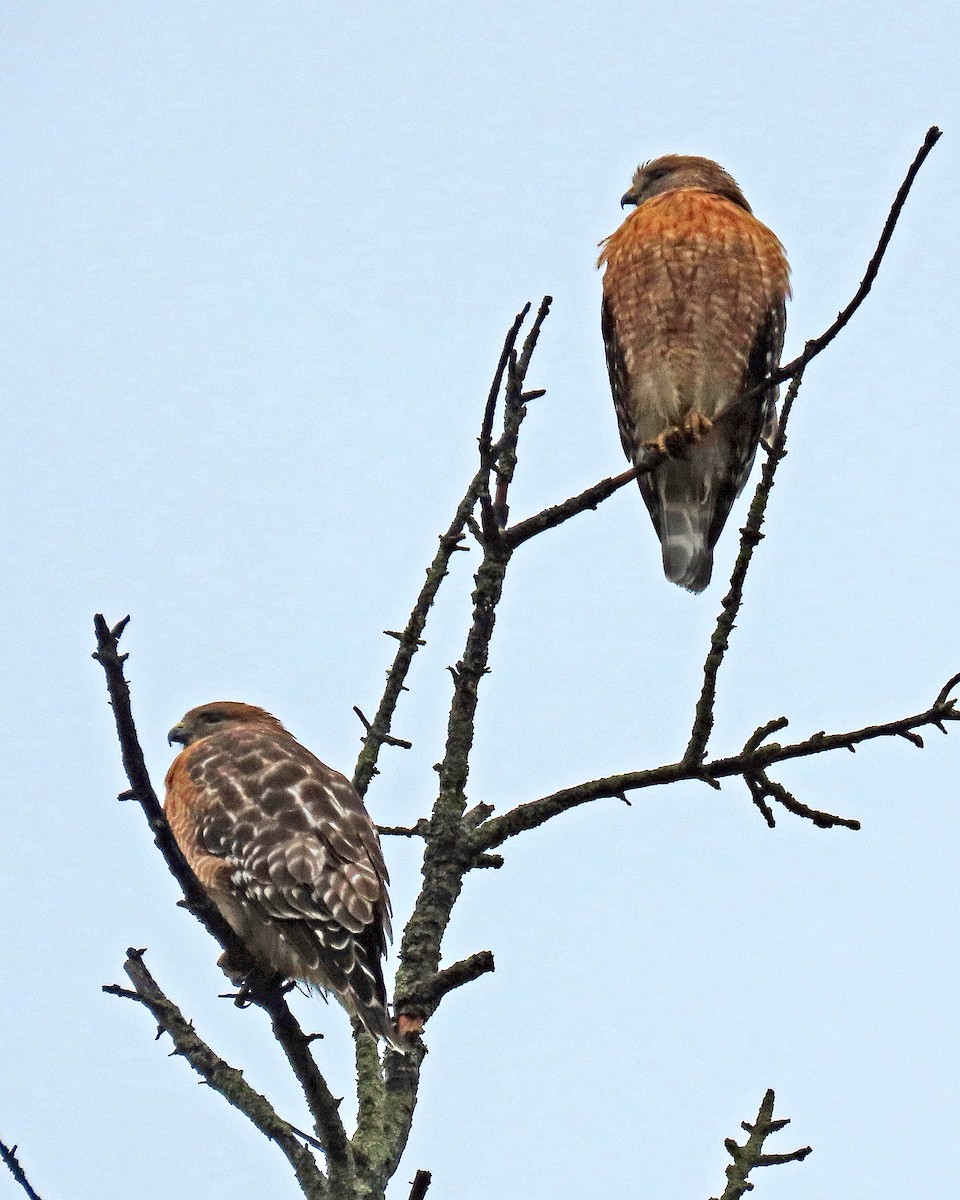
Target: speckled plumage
point(286, 850)
point(694, 293)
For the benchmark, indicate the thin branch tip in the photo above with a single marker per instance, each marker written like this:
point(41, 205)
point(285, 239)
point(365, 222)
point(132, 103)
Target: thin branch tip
point(9, 1156)
point(418, 1188)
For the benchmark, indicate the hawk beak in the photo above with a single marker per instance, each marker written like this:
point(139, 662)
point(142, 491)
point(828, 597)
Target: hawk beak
point(628, 198)
point(177, 734)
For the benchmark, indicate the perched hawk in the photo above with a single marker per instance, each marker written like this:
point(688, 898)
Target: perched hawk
point(694, 296)
point(285, 849)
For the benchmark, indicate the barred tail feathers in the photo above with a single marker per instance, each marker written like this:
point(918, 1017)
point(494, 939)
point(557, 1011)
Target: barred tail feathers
point(683, 526)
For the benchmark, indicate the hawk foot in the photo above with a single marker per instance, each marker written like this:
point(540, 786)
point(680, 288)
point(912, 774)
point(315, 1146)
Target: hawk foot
point(249, 983)
point(675, 441)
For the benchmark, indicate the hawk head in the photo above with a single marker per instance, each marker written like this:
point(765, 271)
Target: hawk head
point(212, 718)
point(674, 171)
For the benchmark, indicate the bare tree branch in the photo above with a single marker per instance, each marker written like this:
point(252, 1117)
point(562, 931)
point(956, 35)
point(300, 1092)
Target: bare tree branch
point(386, 739)
point(514, 411)
point(550, 518)
point(817, 345)
point(411, 638)
point(763, 788)
point(750, 1154)
point(750, 537)
point(756, 757)
point(485, 441)
point(109, 657)
point(222, 1077)
point(421, 829)
point(9, 1156)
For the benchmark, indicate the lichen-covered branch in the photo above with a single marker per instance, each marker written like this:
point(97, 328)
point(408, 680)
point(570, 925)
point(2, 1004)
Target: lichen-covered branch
point(750, 1154)
point(220, 1076)
point(9, 1156)
point(449, 851)
point(757, 756)
point(421, 1001)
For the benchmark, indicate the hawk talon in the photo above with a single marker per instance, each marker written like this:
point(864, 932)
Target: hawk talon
point(242, 998)
point(677, 440)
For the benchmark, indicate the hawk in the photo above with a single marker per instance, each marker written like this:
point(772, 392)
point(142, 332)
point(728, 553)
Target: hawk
point(694, 311)
point(286, 850)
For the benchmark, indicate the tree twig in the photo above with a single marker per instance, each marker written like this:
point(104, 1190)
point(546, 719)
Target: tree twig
point(592, 497)
point(421, 1181)
point(763, 788)
point(514, 411)
point(9, 1156)
point(817, 345)
point(421, 830)
point(750, 1154)
point(220, 1076)
point(485, 441)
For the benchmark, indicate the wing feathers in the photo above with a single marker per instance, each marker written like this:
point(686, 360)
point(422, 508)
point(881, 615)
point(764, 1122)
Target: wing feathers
point(307, 880)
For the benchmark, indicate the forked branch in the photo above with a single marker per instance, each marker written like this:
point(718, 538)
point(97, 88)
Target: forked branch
point(752, 762)
point(750, 1155)
point(411, 639)
point(750, 538)
point(220, 1076)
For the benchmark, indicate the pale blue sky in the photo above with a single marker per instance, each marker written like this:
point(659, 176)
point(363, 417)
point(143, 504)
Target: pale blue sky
point(259, 260)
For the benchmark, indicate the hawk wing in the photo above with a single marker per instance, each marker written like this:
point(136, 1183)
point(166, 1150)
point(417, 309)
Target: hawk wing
point(302, 851)
point(747, 422)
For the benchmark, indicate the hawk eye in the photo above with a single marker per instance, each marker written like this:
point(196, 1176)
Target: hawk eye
point(657, 173)
point(214, 718)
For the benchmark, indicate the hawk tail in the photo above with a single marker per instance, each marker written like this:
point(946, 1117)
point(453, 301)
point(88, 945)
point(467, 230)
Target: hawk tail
point(681, 497)
point(357, 977)
point(687, 557)
point(375, 1019)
